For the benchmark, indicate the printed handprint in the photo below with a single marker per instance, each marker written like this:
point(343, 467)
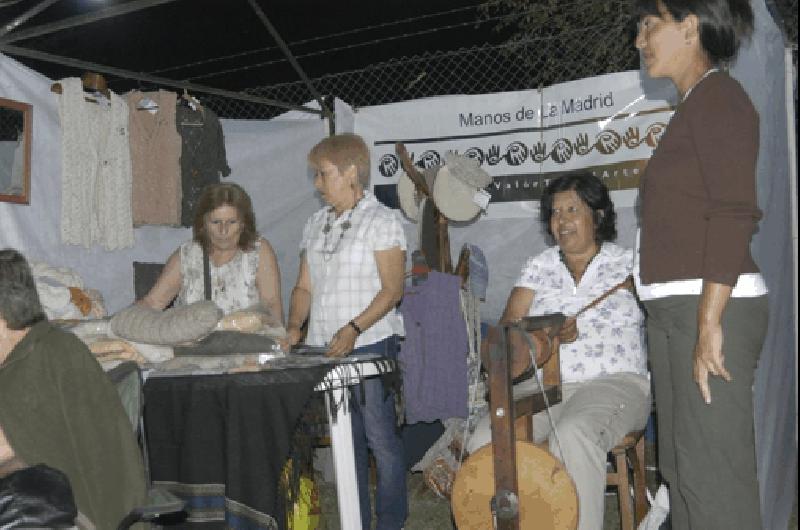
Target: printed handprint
point(538, 152)
point(653, 134)
point(475, 153)
point(608, 142)
point(582, 144)
point(516, 154)
point(631, 138)
point(493, 156)
point(562, 151)
point(388, 165)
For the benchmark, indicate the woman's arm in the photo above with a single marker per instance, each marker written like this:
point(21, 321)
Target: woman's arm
point(299, 305)
point(708, 356)
point(390, 264)
point(518, 304)
point(268, 282)
point(167, 285)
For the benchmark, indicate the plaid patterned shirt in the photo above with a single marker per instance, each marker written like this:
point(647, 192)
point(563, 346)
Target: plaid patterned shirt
point(344, 273)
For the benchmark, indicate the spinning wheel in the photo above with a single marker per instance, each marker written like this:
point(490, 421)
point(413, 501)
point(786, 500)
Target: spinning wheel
point(547, 497)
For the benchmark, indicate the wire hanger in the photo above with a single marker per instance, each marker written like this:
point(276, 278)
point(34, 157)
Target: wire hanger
point(96, 87)
point(193, 103)
point(146, 103)
point(190, 100)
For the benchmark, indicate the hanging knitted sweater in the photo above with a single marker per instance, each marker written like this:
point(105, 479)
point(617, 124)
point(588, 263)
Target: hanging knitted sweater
point(95, 169)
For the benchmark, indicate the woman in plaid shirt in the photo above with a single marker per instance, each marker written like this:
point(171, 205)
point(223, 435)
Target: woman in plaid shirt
point(350, 281)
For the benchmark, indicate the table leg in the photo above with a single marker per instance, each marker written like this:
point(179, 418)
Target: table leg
point(344, 463)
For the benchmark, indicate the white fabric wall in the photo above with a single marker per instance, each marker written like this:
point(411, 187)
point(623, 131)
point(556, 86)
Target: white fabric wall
point(268, 158)
point(760, 69)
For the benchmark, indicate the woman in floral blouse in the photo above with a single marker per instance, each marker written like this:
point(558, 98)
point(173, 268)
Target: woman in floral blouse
point(606, 389)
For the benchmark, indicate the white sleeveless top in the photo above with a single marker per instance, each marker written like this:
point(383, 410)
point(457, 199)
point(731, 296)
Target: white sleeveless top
point(233, 285)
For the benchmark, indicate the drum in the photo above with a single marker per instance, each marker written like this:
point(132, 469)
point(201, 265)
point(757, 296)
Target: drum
point(547, 497)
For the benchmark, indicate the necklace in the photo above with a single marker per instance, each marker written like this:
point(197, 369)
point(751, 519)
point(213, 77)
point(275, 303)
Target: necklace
point(327, 251)
point(708, 72)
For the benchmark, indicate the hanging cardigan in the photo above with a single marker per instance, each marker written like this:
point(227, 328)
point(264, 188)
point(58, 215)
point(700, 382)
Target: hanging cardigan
point(96, 170)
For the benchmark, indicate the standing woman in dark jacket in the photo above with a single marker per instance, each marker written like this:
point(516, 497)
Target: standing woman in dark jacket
point(705, 299)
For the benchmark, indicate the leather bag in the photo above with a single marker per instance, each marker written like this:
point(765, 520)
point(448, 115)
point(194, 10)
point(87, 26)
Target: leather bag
point(36, 497)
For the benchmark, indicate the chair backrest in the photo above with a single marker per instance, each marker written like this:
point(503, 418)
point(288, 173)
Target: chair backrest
point(128, 381)
point(127, 377)
point(144, 277)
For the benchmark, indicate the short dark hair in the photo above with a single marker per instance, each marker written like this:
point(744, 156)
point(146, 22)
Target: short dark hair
point(19, 301)
point(592, 192)
point(344, 150)
point(228, 194)
point(723, 23)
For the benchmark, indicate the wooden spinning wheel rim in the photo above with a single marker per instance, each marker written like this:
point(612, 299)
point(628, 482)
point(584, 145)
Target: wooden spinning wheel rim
point(548, 500)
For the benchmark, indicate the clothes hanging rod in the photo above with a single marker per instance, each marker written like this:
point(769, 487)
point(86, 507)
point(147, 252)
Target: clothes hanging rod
point(127, 74)
point(32, 12)
point(80, 20)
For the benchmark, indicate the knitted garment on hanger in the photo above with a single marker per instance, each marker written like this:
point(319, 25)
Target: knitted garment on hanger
point(155, 160)
point(433, 356)
point(203, 157)
point(95, 169)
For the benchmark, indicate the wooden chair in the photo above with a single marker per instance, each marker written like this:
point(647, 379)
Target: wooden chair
point(629, 451)
point(627, 456)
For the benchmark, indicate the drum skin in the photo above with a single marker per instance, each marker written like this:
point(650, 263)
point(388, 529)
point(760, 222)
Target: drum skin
point(548, 500)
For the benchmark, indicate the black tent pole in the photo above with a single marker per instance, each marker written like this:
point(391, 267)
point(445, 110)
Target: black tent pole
point(327, 112)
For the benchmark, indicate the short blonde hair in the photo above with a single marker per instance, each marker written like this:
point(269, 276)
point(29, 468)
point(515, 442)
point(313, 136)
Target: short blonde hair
point(343, 150)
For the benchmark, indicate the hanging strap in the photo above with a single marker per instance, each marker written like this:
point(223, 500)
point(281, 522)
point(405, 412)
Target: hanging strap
point(532, 348)
point(627, 283)
point(206, 275)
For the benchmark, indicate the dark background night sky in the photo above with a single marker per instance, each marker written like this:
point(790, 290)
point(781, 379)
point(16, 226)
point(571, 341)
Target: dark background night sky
point(160, 40)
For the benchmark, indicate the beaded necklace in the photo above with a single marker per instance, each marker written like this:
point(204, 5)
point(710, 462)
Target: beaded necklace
point(328, 228)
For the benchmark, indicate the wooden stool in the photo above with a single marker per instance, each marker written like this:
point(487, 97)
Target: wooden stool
point(630, 448)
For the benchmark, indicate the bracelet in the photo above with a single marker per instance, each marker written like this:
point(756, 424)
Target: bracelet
point(353, 325)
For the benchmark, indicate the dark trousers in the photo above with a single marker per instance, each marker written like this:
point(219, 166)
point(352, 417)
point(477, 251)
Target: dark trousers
point(375, 428)
point(706, 453)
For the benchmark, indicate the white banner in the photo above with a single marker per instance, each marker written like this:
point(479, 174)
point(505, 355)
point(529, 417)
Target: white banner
point(604, 124)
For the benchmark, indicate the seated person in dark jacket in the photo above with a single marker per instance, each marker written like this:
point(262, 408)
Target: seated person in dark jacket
point(57, 407)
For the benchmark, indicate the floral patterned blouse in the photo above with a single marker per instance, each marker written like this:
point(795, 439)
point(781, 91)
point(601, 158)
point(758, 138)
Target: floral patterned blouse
point(233, 284)
point(611, 334)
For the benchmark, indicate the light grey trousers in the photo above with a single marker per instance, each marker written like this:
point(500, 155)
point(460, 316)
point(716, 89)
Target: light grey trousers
point(706, 453)
point(592, 417)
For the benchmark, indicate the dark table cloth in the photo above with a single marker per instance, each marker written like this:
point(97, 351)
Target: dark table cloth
point(221, 442)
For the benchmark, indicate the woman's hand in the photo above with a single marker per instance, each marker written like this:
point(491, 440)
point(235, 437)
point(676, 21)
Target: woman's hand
point(569, 331)
point(293, 336)
point(343, 342)
point(708, 358)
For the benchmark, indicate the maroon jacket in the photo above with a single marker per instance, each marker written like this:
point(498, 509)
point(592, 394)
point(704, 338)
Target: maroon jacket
point(698, 194)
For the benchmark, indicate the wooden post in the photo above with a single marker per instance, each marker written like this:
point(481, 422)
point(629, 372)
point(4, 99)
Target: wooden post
point(501, 410)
